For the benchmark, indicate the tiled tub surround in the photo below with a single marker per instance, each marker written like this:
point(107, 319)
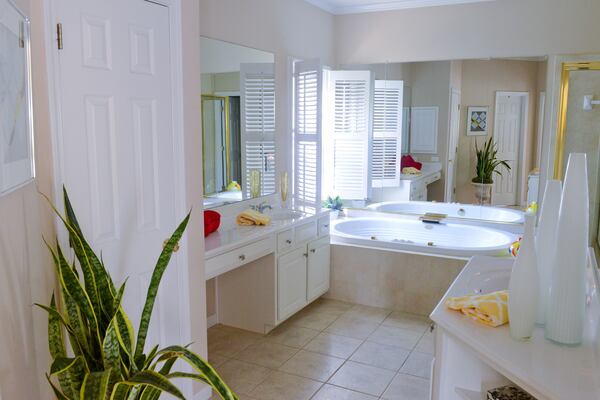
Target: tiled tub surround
point(330, 350)
point(392, 280)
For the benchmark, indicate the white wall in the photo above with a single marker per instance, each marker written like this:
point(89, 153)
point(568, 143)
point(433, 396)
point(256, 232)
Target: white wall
point(503, 28)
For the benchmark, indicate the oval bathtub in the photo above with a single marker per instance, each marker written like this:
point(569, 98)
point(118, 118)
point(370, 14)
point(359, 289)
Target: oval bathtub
point(446, 239)
point(455, 210)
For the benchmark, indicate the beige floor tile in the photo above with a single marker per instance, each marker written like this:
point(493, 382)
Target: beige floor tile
point(216, 360)
point(267, 354)
point(291, 335)
point(331, 306)
point(362, 378)
point(418, 364)
point(352, 327)
point(367, 313)
point(398, 337)
point(330, 392)
point(227, 341)
point(381, 355)
point(312, 365)
point(406, 387)
point(240, 396)
point(333, 345)
point(411, 322)
point(280, 385)
point(313, 319)
point(242, 377)
point(425, 344)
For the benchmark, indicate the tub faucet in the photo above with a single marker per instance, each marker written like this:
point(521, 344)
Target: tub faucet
point(261, 207)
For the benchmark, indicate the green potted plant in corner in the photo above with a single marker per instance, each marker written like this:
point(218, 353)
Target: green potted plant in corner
point(487, 165)
point(336, 205)
point(92, 342)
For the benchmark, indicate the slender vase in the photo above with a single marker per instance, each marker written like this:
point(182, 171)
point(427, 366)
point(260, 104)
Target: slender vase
point(523, 289)
point(546, 244)
point(566, 306)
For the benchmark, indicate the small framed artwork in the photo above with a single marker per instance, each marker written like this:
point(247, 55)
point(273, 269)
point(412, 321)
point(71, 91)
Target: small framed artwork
point(477, 121)
point(16, 123)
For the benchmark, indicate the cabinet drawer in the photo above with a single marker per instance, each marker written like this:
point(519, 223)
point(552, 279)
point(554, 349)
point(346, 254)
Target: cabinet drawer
point(324, 224)
point(235, 258)
point(285, 241)
point(305, 232)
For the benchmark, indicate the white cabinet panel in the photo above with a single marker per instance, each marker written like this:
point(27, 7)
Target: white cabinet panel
point(291, 283)
point(424, 130)
point(319, 262)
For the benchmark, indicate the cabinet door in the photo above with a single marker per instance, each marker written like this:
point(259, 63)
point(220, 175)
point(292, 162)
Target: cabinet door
point(319, 263)
point(291, 283)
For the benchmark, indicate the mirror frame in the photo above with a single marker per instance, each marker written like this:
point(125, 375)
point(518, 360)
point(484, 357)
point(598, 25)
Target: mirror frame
point(225, 100)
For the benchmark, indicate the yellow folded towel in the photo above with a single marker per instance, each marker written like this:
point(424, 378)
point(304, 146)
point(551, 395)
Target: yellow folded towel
point(410, 171)
point(489, 309)
point(251, 217)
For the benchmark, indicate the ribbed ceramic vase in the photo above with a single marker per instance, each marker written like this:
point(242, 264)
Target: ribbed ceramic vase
point(546, 244)
point(566, 305)
point(523, 289)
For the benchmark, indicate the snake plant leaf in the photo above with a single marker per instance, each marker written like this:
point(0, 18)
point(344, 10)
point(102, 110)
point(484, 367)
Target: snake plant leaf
point(59, 395)
point(161, 266)
point(204, 369)
point(95, 386)
point(111, 348)
point(125, 335)
point(70, 373)
point(157, 381)
point(55, 333)
point(187, 375)
point(120, 391)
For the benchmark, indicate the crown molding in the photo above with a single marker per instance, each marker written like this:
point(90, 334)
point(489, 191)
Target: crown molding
point(386, 5)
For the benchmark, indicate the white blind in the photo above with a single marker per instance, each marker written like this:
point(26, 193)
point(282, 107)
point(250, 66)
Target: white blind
point(308, 83)
point(348, 135)
point(257, 83)
point(387, 133)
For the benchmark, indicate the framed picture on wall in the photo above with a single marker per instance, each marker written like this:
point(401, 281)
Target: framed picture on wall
point(16, 127)
point(477, 121)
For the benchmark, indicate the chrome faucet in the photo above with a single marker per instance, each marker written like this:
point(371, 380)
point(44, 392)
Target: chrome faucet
point(261, 207)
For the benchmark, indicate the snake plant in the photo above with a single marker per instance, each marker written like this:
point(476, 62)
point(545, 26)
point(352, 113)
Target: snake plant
point(92, 341)
point(488, 163)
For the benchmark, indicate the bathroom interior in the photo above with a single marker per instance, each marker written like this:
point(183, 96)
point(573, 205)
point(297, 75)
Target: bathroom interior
point(376, 210)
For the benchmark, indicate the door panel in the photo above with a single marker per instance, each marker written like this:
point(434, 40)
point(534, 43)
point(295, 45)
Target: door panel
point(452, 145)
point(116, 143)
point(507, 135)
point(319, 262)
point(291, 283)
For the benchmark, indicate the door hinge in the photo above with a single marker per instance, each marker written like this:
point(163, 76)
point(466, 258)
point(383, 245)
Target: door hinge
point(59, 36)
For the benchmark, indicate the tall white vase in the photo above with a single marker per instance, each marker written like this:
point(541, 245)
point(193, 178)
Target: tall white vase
point(566, 306)
point(546, 244)
point(523, 289)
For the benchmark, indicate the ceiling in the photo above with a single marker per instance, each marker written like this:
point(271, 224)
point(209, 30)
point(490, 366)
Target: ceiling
point(339, 7)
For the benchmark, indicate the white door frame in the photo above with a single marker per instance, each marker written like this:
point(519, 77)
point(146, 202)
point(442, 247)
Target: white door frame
point(448, 190)
point(521, 170)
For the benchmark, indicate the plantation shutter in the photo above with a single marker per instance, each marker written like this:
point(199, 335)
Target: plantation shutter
point(308, 84)
point(257, 82)
point(387, 133)
point(348, 149)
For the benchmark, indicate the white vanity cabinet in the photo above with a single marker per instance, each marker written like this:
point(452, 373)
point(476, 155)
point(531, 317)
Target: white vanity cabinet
point(291, 283)
point(318, 268)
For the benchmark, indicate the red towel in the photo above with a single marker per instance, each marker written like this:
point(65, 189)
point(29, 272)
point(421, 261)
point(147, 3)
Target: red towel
point(212, 221)
point(407, 162)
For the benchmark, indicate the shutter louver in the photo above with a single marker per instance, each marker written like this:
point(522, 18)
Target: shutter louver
point(258, 125)
point(308, 78)
point(387, 133)
point(350, 99)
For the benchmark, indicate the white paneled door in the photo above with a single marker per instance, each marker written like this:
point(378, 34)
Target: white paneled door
point(508, 127)
point(116, 143)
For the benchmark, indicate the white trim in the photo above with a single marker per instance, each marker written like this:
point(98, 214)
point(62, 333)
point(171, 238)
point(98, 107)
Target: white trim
point(212, 320)
point(386, 5)
point(523, 150)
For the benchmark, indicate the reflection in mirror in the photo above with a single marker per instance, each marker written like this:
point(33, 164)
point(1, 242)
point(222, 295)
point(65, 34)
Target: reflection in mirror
point(238, 122)
point(448, 110)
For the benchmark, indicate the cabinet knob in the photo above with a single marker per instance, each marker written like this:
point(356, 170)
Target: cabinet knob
point(305, 255)
point(242, 257)
point(326, 226)
point(313, 250)
point(288, 241)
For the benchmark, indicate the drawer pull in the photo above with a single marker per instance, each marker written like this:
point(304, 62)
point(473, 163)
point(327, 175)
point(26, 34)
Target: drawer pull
point(288, 241)
point(326, 226)
point(242, 257)
point(305, 255)
point(313, 251)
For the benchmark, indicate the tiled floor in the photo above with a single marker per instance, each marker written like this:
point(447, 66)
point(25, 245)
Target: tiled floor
point(329, 351)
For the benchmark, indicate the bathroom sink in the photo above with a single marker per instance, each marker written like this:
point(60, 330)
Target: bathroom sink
point(490, 281)
point(284, 215)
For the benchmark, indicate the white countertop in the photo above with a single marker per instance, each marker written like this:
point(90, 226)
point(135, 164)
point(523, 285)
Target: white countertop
point(427, 170)
point(544, 369)
point(230, 236)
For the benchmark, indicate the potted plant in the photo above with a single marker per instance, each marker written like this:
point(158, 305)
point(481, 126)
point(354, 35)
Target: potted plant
point(336, 205)
point(487, 165)
point(92, 342)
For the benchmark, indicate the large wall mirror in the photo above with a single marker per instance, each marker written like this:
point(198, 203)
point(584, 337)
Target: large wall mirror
point(238, 122)
point(16, 124)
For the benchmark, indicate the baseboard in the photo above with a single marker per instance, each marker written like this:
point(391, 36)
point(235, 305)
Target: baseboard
point(212, 320)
